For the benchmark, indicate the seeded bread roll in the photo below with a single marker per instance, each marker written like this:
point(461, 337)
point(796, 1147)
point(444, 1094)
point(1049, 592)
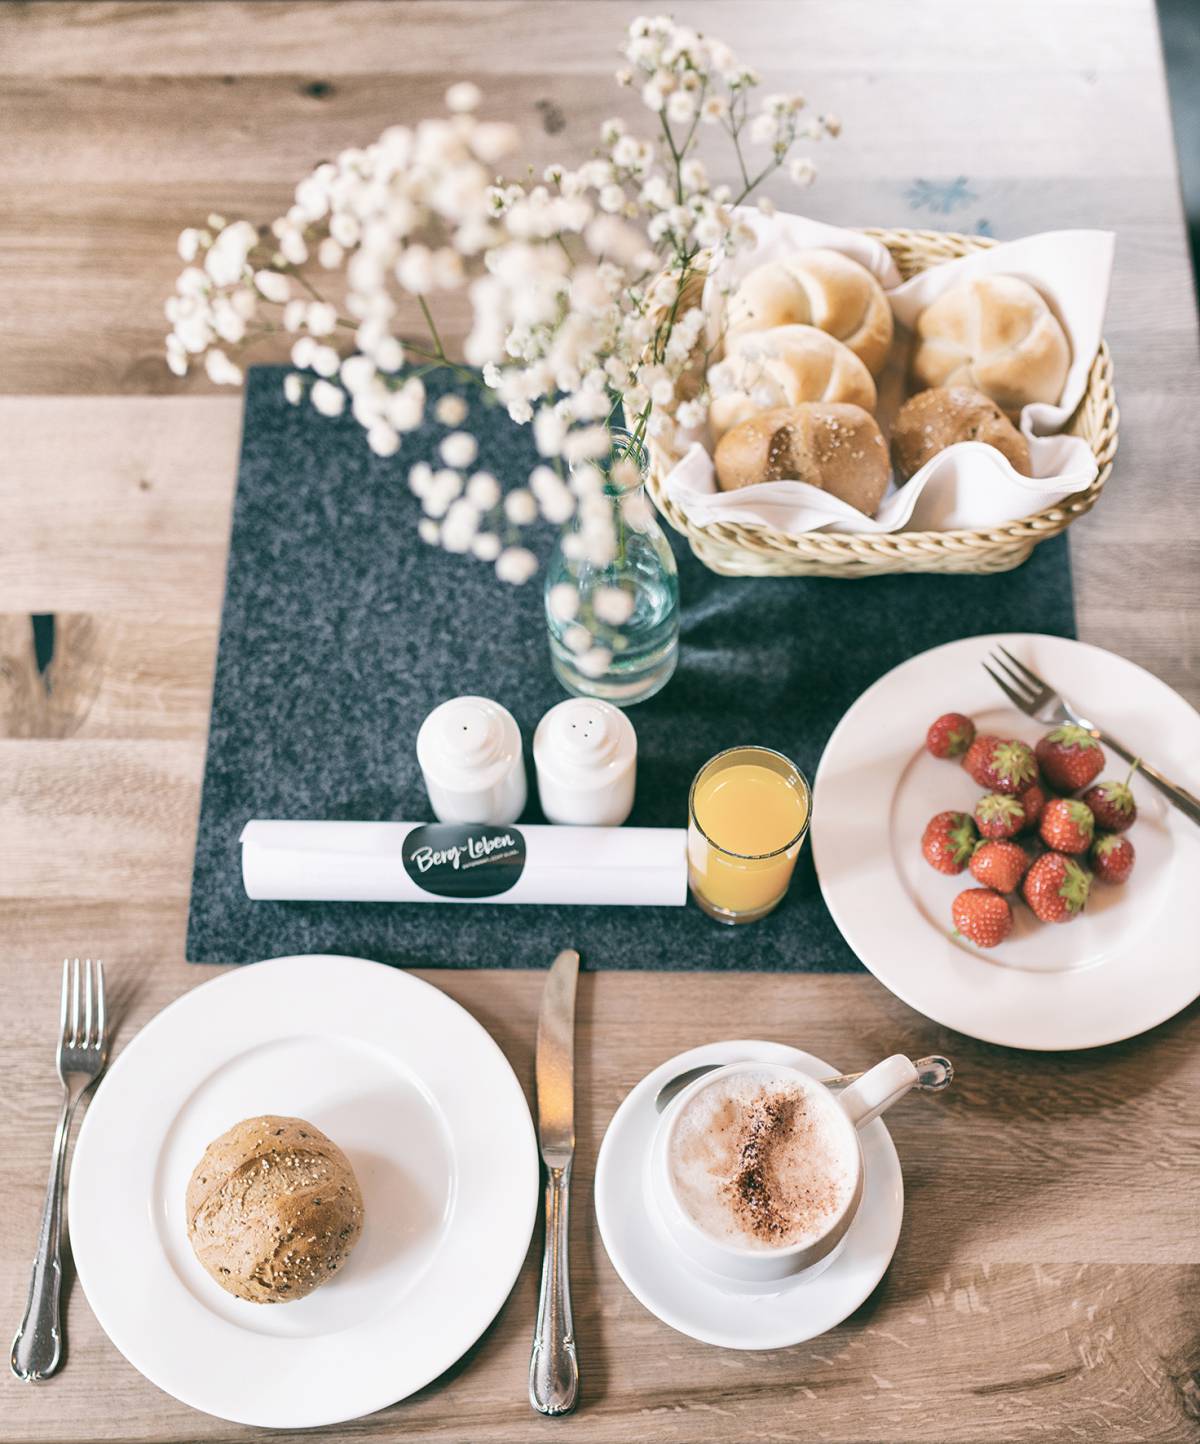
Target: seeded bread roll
point(273, 1209)
point(836, 447)
point(932, 420)
point(784, 367)
point(997, 335)
point(816, 287)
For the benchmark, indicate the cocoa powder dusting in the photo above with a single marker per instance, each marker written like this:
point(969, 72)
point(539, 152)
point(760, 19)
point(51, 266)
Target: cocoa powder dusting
point(765, 1200)
point(755, 1202)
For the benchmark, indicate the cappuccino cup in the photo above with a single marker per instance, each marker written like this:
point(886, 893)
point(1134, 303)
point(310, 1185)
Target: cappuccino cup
point(756, 1170)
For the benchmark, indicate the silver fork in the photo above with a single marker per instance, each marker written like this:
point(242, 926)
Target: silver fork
point(82, 1054)
point(1039, 700)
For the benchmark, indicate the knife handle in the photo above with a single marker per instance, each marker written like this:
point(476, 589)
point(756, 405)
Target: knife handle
point(553, 1367)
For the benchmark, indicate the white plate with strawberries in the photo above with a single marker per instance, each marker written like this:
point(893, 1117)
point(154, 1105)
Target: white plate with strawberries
point(1019, 887)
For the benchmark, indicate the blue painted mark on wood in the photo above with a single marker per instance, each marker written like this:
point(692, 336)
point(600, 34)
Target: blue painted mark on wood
point(941, 197)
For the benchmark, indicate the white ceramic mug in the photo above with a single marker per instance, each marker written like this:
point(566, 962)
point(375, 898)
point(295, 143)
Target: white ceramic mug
point(746, 1268)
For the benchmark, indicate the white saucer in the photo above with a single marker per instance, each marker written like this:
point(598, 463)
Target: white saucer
point(437, 1130)
point(658, 1276)
point(1126, 964)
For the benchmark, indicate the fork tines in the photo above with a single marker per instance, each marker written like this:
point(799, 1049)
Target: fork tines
point(1025, 689)
point(83, 992)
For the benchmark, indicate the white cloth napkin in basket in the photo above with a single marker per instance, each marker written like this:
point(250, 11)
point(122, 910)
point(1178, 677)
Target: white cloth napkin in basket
point(968, 485)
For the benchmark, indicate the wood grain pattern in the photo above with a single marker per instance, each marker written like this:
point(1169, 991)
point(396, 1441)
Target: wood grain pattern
point(1048, 1276)
point(521, 37)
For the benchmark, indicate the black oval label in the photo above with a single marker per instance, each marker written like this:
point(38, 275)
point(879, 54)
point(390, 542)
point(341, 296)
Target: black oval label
point(451, 859)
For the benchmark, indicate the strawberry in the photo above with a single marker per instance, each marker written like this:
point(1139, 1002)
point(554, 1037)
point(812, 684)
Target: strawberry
point(948, 841)
point(1000, 765)
point(1056, 888)
point(1033, 799)
point(1112, 857)
point(982, 916)
point(999, 865)
point(1070, 758)
point(1066, 825)
point(950, 735)
point(978, 753)
point(998, 816)
point(1112, 805)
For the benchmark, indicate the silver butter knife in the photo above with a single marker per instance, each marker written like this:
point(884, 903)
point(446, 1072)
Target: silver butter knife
point(553, 1367)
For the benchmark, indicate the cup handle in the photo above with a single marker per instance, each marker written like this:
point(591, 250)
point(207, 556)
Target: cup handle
point(878, 1089)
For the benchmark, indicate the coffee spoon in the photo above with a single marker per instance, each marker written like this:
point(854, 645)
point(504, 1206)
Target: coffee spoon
point(933, 1074)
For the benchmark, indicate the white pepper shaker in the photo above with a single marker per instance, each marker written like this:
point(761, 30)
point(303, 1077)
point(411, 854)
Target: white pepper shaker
point(469, 750)
point(585, 753)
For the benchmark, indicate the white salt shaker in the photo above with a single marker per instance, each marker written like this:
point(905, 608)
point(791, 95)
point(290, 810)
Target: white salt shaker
point(469, 750)
point(585, 753)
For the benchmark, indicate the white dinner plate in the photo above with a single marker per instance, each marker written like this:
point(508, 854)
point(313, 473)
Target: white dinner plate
point(1124, 965)
point(437, 1130)
point(657, 1273)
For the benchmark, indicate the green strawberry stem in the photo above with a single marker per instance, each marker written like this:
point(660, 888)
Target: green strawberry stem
point(1072, 736)
point(1075, 887)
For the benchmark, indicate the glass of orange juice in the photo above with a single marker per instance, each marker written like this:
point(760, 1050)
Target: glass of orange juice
point(748, 814)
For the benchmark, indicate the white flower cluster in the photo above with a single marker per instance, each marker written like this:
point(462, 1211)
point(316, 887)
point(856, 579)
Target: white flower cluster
point(472, 514)
point(218, 295)
point(589, 293)
point(581, 287)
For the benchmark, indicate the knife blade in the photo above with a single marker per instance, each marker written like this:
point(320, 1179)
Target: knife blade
point(553, 1366)
point(556, 1062)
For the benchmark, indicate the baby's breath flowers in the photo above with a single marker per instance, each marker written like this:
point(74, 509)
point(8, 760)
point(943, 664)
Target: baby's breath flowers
point(578, 283)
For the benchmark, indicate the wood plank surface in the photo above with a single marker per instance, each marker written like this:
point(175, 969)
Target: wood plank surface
point(1047, 1283)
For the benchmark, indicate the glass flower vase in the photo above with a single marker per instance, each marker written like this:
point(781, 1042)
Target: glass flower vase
point(612, 587)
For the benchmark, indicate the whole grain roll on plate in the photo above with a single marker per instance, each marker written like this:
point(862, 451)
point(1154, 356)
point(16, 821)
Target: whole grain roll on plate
point(273, 1209)
point(995, 334)
point(836, 447)
point(816, 287)
point(932, 420)
point(784, 367)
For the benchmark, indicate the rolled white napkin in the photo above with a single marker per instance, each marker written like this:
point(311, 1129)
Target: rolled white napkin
point(463, 863)
point(969, 484)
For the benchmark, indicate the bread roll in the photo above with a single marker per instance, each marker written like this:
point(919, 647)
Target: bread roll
point(784, 367)
point(997, 335)
point(273, 1209)
point(816, 288)
point(932, 420)
point(836, 447)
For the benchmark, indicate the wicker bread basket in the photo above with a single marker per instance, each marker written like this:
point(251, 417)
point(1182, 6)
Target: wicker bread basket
point(737, 550)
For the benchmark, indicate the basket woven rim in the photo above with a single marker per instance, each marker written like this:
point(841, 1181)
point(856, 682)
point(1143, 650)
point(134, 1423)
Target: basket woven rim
point(1036, 526)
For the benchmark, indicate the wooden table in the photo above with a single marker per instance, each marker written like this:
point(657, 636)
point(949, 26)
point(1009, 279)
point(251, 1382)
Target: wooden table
point(1046, 1284)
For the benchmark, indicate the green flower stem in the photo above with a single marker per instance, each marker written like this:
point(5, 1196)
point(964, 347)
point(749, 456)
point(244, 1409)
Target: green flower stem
point(433, 331)
point(305, 282)
point(436, 361)
point(662, 115)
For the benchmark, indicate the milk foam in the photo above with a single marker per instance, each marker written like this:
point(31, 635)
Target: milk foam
point(760, 1162)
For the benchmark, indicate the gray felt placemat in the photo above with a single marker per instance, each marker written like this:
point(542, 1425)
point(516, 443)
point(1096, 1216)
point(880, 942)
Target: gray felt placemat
point(341, 630)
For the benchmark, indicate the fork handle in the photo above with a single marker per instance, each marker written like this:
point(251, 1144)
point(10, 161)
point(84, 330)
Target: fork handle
point(1179, 796)
point(38, 1347)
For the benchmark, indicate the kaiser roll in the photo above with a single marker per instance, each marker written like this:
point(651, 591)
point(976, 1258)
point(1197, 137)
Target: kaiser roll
point(783, 367)
point(932, 420)
point(996, 334)
point(273, 1209)
point(816, 288)
point(828, 444)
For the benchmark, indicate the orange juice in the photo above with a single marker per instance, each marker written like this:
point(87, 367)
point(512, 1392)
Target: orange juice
point(749, 814)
